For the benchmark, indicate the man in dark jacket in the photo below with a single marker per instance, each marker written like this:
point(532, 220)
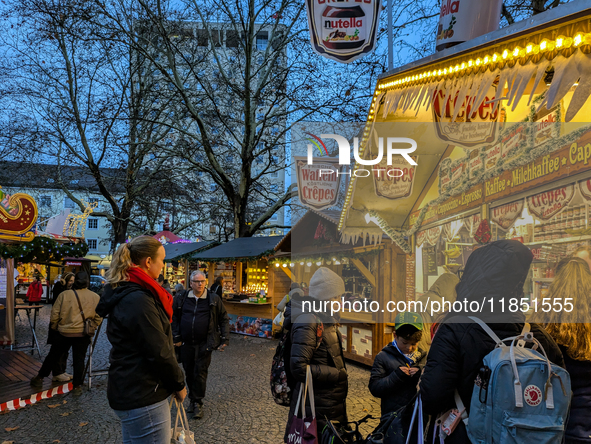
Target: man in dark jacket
point(200, 324)
point(495, 271)
point(397, 368)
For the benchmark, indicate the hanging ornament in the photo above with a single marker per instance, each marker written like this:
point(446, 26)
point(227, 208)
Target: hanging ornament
point(483, 234)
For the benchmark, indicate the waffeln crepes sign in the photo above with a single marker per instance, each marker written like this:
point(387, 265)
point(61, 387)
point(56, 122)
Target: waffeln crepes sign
point(343, 30)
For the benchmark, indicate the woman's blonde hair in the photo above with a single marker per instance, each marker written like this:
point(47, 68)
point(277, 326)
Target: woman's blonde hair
point(571, 329)
point(129, 254)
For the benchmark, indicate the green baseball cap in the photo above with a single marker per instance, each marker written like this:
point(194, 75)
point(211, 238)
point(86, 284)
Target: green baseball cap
point(408, 318)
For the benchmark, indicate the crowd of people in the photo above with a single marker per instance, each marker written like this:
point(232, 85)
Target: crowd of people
point(151, 331)
point(458, 345)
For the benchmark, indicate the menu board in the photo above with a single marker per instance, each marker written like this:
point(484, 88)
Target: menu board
point(3, 288)
point(410, 277)
point(430, 261)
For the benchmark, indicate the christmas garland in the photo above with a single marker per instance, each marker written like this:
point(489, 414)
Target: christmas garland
point(42, 249)
point(263, 255)
point(325, 258)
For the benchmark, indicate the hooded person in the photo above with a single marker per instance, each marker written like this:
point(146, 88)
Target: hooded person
point(324, 355)
point(493, 272)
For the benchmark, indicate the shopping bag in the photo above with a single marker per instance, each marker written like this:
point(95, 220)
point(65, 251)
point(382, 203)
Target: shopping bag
point(304, 430)
point(399, 426)
point(278, 320)
point(180, 433)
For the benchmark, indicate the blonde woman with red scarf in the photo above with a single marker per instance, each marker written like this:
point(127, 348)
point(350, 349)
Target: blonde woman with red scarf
point(144, 371)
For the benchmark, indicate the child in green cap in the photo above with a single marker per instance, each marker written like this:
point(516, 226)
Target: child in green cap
point(397, 368)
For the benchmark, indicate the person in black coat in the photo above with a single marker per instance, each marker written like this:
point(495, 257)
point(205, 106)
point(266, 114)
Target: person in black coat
point(218, 286)
point(497, 270)
point(144, 371)
point(397, 368)
point(572, 332)
point(324, 355)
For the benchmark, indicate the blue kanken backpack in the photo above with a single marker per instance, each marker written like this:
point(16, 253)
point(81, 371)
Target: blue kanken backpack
point(519, 395)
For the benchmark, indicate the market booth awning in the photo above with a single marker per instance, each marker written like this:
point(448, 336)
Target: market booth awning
point(241, 248)
point(527, 85)
point(184, 250)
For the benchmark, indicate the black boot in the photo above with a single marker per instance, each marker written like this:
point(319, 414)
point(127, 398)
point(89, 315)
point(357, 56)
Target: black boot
point(191, 407)
point(198, 411)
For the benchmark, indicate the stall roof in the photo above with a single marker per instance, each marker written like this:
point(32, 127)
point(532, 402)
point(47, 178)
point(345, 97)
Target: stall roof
point(241, 248)
point(183, 249)
point(513, 55)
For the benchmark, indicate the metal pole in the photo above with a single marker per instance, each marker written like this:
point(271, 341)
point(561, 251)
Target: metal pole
point(390, 37)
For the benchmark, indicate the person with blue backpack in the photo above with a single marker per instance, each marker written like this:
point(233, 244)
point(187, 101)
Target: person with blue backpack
point(469, 369)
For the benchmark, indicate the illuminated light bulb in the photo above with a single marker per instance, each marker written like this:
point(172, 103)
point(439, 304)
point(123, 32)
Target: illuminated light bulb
point(587, 39)
point(309, 264)
point(578, 39)
point(277, 264)
point(516, 51)
point(529, 48)
point(319, 263)
point(536, 49)
point(456, 68)
point(445, 71)
point(544, 45)
point(284, 265)
point(439, 72)
point(568, 42)
point(560, 42)
point(495, 56)
point(478, 62)
point(486, 60)
point(301, 263)
point(521, 53)
point(470, 63)
point(463, 65)
point(291, 264)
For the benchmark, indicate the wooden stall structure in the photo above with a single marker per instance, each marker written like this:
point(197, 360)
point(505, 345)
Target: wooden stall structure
point(313, 242)
point(176, 263)
point(251, 288)
point(526, 170)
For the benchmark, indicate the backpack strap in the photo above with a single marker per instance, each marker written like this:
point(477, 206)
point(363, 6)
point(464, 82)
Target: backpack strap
point(487, 329)
point(461, 407)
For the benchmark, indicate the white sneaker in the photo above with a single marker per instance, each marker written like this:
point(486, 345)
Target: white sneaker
point(64, 377)
point(68, 375)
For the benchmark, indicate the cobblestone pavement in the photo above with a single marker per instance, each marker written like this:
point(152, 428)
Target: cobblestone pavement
point(238, 407)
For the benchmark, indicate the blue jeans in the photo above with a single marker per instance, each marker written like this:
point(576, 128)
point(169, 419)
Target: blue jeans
point(146, 425)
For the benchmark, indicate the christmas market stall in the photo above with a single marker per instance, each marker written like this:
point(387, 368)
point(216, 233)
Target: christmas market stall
point(177, 267)
point(313, 242)
point(249, 288)
point(19, 244)
point(509, 119)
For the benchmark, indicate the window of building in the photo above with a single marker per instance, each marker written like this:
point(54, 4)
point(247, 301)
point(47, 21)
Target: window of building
point(262, 40)
point(95, 200)
point(202, 37)
point(232, 39)
point(92, 244)
point(166, 206)
point(45, 201)
point(68, 203)
point(274, 174)
point(93, 224)
point(212, 229)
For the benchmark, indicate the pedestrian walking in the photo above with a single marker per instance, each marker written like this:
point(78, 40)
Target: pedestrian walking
point(200, 325)
point(67, 317)
point(572, 331)
point(397, 368)
point(59, 370)
point(493, 272)
point(218, 286)
point(35, 291)
point(166, 286)
point(325, 357)
point(143, 371)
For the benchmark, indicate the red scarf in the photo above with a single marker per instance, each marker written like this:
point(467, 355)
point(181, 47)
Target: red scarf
point(139, 276)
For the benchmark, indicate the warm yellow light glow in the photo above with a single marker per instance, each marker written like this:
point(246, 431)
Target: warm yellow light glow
point(560, 42)
point(578, 39)
point(470, 63)
point(478, 62)
point(463, 65)
point(486, 60)
point(529, 48)
point(504, 55)
point(544, 45)
point(516, 51)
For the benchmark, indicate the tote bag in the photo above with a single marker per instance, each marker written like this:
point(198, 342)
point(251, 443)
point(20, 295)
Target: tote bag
point(303, 430)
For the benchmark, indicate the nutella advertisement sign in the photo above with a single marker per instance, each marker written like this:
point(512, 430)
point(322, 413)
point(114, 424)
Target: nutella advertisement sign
point(318, 184)
point(547, 126)
point(585, 187)
point(546, 205)
point(463, 20)
point(474, 123)
point(343, 31)
point(506, 215)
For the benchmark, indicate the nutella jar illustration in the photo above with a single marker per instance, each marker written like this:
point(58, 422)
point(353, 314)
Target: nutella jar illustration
point(343, 28)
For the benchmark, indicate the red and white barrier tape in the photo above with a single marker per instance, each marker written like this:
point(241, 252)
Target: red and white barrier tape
point(23, 402)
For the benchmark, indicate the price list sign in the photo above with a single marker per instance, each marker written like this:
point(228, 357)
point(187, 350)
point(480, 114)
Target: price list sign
point(410, 277)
